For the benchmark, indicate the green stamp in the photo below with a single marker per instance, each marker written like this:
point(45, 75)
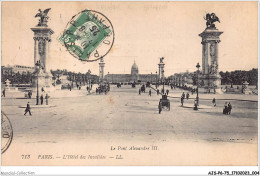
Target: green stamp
point(88, 36)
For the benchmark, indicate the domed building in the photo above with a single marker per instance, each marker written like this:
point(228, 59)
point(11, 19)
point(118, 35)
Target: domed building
point(130, 78)
point(134, 72)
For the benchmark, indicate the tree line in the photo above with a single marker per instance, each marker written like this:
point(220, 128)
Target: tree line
point(74, 77)
point(238, 77)
point(17, 78)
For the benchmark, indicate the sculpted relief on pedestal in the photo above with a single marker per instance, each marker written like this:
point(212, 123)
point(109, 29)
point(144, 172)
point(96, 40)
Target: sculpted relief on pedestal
point(41, 46)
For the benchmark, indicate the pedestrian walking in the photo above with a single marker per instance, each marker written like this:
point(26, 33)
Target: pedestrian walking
point(157, 91)
point(195, 105)
point(183, 95)
point(160, 107)
point(214, 102)
point(229, 108)
point(225, 110)
point(150, 92)
point(46, 98)
point(139, 91)
point(41, 99)
point(187, 96)
point(3, 93)
point(27, 109)
point(167, 91)
point(182, 100)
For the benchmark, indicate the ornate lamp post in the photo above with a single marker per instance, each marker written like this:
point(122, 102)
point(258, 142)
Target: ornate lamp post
point(156, 80)
point(37, 64)
point(108, 77)
point(197, 98)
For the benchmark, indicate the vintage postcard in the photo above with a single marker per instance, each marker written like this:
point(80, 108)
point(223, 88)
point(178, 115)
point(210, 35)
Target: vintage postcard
point(129, 83)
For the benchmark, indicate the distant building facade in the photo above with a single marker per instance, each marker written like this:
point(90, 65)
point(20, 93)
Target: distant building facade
point(130, 78)
point(16, 68)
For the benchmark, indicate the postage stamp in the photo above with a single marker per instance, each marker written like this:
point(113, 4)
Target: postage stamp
point(88, 36)
point(6, 132)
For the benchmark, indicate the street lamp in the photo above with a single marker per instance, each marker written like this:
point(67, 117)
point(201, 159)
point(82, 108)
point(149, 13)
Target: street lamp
point(197, 98)
point(156, 80)
point(108, 77)
point(37, 64)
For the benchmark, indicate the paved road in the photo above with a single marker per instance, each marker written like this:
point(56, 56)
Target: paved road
point(123, 115)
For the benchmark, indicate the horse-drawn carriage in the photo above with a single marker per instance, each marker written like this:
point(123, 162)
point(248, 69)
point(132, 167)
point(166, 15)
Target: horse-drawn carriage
point(103, 89)
point(143, 88)
point(165, 103)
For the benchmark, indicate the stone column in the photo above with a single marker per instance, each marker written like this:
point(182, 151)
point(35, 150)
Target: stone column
point(42, 37)
point(162, 71)
point(216, 52)
point(207, 58)
point(203, 57)
point(46, 69)
point(210, 76)
point(35, 50)
point(101, 69)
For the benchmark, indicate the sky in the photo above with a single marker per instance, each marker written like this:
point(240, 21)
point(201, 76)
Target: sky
point(144, 32)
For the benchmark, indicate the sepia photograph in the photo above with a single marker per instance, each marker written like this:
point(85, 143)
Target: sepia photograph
point(129, 83)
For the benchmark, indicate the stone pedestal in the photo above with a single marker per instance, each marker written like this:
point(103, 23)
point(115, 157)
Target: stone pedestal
point(44, 81)
point(42, 39)
point(245, 89)
point(210, 79)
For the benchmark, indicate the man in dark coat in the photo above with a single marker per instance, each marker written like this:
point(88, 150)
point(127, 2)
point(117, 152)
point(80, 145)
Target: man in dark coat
point(41, 99)
point(46, 98)
point(187, 96)
point(27, 109)
point(183, 95)
point(157, 91)
point(160, 107)
point(214, 102)
point(182, 100)
point(225, 110)
point(150, 92)
point(229, 108)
